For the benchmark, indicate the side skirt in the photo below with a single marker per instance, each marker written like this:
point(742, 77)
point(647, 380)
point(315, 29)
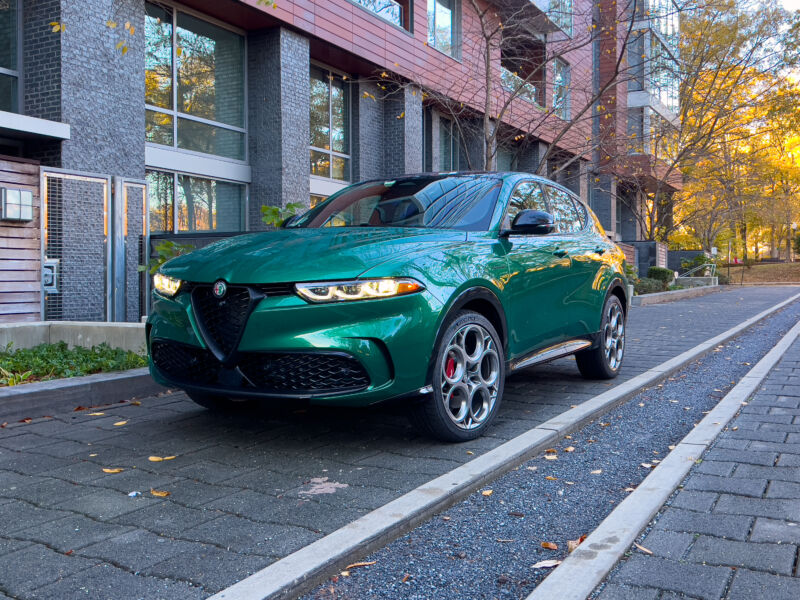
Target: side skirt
point(550, 353)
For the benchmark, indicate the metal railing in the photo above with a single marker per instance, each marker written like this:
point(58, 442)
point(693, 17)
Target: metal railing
point(694, 270)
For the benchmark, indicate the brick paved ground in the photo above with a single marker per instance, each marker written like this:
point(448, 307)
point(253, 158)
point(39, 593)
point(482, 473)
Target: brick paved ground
point(247, 490)
point(733, 529)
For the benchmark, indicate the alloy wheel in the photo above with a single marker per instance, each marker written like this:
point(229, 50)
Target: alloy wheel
point(469, 376)
point(614, 336)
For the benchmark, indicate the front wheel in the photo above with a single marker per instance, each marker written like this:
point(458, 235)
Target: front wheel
point(604, 361)
point(467, 377)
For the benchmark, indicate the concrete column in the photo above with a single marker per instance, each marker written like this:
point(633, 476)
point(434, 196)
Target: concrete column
point(278, 104)
point(432, 139)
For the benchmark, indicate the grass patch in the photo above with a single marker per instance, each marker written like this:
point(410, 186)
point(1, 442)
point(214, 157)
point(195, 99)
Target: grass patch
point(765, 273)
point(55, 361)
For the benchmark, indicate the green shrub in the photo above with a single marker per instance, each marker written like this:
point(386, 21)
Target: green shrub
point(723, 279)
point(660, 273)
point(647, 285)
point(53, 361)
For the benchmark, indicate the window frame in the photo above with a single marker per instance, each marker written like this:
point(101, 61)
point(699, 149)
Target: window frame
point(174, 230)
point(562, 112)
point(175, 113)
point(505, 222)
point(17, 73)
point(455, 29)
point(455, 146)
point(348, 91)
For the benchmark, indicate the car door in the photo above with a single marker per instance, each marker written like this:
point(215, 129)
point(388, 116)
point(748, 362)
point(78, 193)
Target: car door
point(537, 266)
point(585, 251)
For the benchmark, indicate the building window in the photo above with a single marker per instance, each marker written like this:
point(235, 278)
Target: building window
point(561, 88)
point(194, 84)
point(181, 203)
point(448, 146)
point(522, 68)
point(663, 75)
point(636, 60)
point(330, 125)
point(388, 10)
point(560, 13)
point(441, 26)
point(9, 55)
point(636, 130)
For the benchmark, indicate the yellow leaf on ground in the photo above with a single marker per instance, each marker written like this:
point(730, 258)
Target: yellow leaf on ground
point(112, 470)
point(96, 414)
point(136, 403)
point(550, 457)
point(154, 458)
point(345, 573)
point(487, 493)
point(94, 454)
point(120, 423)
point(169, 457)
point(647, 465)
point(550, 451)
point(597, 471)
point(470, 452)
point(643, 549)
point(549, 546)
point(360, 564)
point(546, 564)
point(159, 493)
point(111, 24)
point(551, 478)
point(569, 449)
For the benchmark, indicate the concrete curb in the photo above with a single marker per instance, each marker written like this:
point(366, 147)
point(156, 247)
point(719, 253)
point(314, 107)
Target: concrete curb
point(301, 570)
point(59, 395)
point(661, 297)
point(587, 566)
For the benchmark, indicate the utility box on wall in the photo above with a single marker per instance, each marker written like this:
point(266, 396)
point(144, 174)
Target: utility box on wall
point(17, 205)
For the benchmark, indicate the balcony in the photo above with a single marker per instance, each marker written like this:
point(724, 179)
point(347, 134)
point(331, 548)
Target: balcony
point(388, 10)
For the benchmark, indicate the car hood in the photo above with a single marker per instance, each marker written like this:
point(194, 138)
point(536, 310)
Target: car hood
point(288, 255)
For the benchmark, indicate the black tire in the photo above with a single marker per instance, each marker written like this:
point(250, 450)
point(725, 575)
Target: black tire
point(216, 403)
point(478, 365)
point(605, 360)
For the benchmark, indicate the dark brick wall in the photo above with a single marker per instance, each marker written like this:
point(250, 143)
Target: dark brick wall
point(41, 59)
point(402, 129)
point(367, 133)
point(278, 72)
point(102, 91)
point(602, 200)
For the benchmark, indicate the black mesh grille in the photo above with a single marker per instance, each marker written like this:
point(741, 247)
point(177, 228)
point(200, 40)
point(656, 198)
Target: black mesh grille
point(185, 363)
point(222, 319)
point(304, 372)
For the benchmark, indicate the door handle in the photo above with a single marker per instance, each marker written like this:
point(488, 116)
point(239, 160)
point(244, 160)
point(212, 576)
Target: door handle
point(560, 253)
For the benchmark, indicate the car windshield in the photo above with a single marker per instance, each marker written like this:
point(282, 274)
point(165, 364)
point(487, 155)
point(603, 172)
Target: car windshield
point(438, 201)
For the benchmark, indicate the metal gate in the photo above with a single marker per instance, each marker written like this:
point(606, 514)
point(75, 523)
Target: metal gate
point(91, 246)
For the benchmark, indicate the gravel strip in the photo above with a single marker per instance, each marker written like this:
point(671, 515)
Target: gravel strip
point(485, 546)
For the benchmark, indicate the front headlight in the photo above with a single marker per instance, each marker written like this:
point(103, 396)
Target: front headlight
point(360, 289)
point(166, 286)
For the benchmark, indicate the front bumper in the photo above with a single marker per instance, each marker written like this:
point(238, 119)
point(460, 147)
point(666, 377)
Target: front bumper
point(388, 341)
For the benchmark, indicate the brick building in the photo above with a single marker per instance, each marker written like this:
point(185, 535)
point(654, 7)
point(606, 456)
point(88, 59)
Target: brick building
point(125, 122)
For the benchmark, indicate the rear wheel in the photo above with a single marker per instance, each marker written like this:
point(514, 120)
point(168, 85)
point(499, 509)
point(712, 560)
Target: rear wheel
point(217, 403)
point(604, 361)
point(467, 377)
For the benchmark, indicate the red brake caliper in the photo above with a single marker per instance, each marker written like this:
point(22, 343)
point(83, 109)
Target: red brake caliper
point(450, 367)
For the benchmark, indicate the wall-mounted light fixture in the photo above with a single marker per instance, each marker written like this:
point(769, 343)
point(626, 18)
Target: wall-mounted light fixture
point(17, 205)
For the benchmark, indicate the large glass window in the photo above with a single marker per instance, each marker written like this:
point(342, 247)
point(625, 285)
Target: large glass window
point(561, 88)
point(194, 84)
point(330, 125)
point(182, 203)
point(441, 25)
point(448, 145)
point(560, 13)
point(9, 55)
point(522, 68)
point(388, 10)
point(663, 75)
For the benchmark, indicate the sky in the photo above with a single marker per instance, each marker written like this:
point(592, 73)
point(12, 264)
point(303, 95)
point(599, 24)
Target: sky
point(791, 4)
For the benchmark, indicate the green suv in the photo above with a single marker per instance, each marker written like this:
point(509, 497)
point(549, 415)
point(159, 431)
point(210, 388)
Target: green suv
point(428, 287)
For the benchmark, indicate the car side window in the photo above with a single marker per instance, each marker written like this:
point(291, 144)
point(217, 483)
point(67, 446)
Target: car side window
point(566, 215)
point(527, 195)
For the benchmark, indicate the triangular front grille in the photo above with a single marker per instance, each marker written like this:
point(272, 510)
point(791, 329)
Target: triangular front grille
point(222, 320)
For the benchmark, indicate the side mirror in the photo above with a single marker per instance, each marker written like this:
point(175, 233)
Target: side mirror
point(532, 222)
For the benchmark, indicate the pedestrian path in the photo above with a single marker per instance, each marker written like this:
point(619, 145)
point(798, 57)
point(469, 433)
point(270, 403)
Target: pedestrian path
point(733, 529)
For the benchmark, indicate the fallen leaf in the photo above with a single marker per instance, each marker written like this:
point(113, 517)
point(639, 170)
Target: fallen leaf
point(69, 552)
point(470, 452)
point(551, 478)
point(569, 483)
point(159, 493)
point(111, 24)
point(551, 451)
point(405, 578)
point(643, 549)
point(136, 403)
point(360, 564)
point(546, 564)
point(532, 468)
point(5, 423)
point(169, 457)
point(96, 414)
point(550, 457)
point(569, 449)
point(487, 493)
point(155, 458)
point(647, 465)
point(514, 513)
point(549, 546)
point(567, 437)
point(502, 541)
point(93, 455)
point(112, 470)
point(596, 471)
point(735, 428)
point(572, 544)
point(629, 489)
point(120, 423)
point(26, 420)
point(604, 424)
point(671, 447)
point(445, 518)
point(345, 573)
